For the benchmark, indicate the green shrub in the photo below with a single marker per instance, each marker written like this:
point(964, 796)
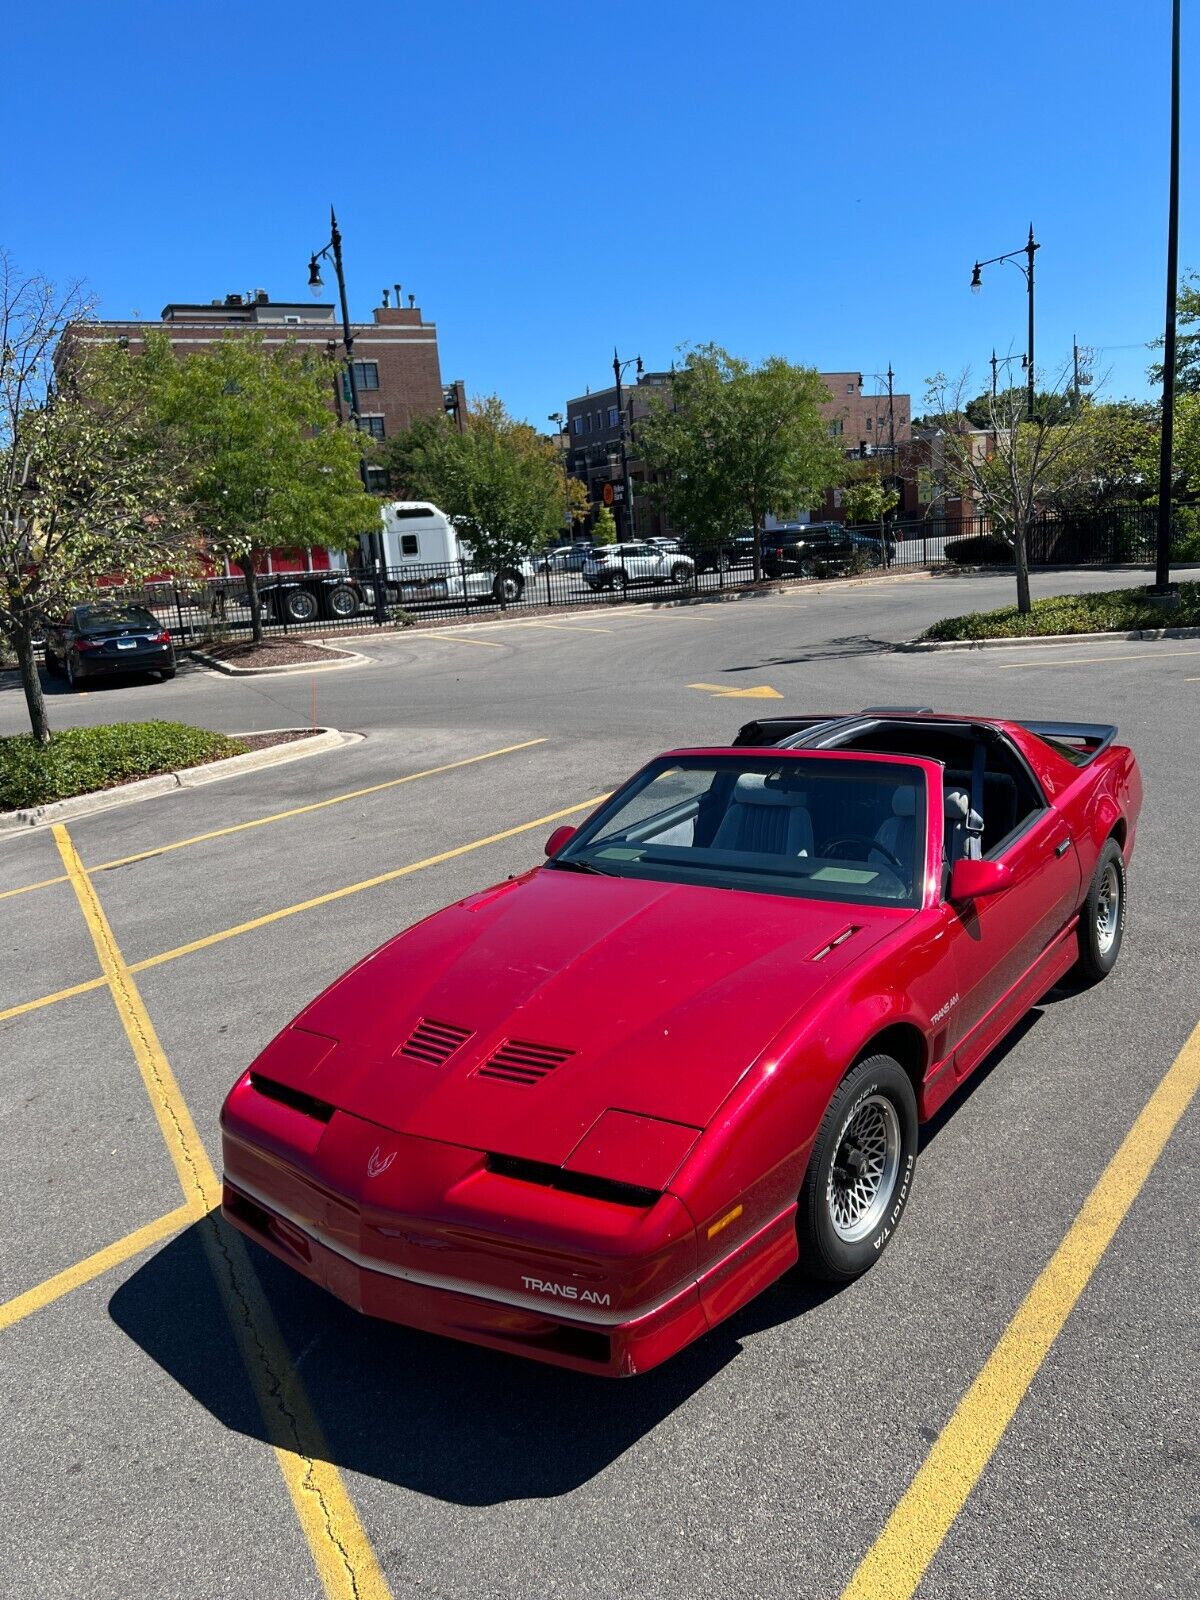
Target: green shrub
point(79, 760)
point(1115, 611)
point(980, 550)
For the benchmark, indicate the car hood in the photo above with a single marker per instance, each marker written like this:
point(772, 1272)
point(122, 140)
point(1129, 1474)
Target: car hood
point(598, 993)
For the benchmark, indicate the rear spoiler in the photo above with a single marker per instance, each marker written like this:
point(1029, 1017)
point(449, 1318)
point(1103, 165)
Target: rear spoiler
point(1086, 739)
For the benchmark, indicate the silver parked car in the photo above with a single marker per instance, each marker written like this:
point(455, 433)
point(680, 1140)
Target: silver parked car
point(616, 566)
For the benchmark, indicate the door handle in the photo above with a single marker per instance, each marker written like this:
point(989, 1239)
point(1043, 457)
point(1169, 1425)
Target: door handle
point(1063, 846)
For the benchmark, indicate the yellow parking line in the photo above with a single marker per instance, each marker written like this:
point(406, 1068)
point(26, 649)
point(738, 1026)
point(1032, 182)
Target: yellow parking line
point(341, 1552)
point(564, 627)
point(357, 888)
point(282, 816)
point(50, 999)
point(94, 1265)
point(1088, 661)
point(896, 1562)
point(28, 888)
point(457, 638)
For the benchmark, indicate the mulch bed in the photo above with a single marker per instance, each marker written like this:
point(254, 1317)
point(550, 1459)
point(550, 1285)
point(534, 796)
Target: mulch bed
point(271, 653)
point(264, 741)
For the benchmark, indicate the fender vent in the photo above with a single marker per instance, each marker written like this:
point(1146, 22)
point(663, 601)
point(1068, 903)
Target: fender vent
point(517, 1061)
point(433, 1042)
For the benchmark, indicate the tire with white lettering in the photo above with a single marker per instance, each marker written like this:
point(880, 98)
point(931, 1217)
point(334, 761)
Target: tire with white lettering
point(860, 1172)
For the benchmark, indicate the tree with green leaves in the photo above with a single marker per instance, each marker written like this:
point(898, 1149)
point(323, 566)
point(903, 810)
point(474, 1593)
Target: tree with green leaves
point(604, 529)
point(500, 481)
point(1187, 339)
point(728, 443)
point(87, 486)
point(268, 466)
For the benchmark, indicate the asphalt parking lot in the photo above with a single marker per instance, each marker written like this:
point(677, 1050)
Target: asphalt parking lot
point(185, 1417)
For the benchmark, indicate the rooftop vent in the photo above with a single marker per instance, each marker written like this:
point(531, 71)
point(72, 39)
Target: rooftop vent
point(433, 1043)
point(519, 1062)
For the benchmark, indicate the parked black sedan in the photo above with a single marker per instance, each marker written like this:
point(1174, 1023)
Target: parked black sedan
point(103, 639)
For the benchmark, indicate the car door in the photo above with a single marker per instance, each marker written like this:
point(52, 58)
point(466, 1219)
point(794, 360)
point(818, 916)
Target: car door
point(1000, 940)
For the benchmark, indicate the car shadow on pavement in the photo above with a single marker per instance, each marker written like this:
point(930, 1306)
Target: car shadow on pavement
point(460, 1423)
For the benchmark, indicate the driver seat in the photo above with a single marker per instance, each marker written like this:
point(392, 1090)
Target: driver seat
point(898, 833)
point(770, 820)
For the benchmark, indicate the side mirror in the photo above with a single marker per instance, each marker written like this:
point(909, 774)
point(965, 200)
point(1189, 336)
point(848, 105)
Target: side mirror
point(558, 838)
point(970, 879)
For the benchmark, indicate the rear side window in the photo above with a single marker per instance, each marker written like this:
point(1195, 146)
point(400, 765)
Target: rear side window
point(408, 544)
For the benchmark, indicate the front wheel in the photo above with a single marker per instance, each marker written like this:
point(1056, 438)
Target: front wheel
point(860, 1172)
point(1102, 920)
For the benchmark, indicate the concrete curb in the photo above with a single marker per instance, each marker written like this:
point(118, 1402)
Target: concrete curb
point(84, 805)
point(348, 658)
point(1049, 638)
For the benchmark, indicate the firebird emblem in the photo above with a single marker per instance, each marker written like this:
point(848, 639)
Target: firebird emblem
point(377, 1164)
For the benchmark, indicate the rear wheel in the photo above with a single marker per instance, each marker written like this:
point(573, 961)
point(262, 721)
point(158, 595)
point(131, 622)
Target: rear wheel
point(680, 573)
point(507, 587)
point(299, 605)
point(1102, 920)
point(343, 602)
point(166, 673)
point(860, 1172)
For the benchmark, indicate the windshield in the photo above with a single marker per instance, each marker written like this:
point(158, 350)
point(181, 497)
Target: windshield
point(825, 830)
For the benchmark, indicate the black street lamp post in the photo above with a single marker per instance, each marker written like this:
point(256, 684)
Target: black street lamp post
point(333, 251)
point(1003, 361)
point(1028, 251)
point(1162, 575)
point(618, 368)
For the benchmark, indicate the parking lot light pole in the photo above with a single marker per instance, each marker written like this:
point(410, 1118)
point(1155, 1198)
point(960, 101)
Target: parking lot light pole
point(333, 251)
point(1162, 575)
point(1028, 250)
point(618, 368)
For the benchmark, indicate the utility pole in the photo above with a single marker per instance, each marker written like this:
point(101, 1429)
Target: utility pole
point(618, 368)
point(1162, 575)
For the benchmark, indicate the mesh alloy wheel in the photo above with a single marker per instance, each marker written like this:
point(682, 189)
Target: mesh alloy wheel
point(862, 1175)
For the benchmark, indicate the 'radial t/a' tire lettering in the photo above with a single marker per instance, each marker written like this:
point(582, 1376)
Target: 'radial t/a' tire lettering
point(860, 1172)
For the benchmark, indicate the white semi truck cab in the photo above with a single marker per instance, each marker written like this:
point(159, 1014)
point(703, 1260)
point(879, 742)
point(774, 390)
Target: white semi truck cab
point(427, 559)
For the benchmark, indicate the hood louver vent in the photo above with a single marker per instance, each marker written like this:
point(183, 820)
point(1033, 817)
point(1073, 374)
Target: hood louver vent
point(517, 1061)
point(433, 1043)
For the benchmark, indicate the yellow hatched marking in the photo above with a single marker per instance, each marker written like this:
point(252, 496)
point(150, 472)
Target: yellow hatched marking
point(93, 1266)
point(341, 1551)
point(896, 1562)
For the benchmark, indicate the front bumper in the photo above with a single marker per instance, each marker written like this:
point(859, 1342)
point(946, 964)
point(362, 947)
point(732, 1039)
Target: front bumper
point(426, 1235)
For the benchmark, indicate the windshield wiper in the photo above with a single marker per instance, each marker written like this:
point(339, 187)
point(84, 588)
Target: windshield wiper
point(580, 866)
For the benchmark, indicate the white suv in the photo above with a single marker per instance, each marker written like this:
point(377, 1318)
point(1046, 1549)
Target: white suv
point(616, 566)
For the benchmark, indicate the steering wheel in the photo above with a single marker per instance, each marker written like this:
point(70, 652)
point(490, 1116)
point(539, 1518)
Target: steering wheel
point(831, 847)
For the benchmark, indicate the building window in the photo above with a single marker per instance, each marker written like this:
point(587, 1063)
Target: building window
point(378, 480)
point(589, 421)
point(613, 416)
point(849, 388)
point(366, 374)
point(868, 424)
point(835, 428)
point(373, 426)
point(578, 424)
point(291, 319)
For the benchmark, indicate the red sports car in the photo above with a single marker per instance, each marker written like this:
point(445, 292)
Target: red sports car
point(588, 1113)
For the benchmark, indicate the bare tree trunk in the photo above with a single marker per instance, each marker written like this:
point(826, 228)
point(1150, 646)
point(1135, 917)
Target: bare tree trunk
point(22, 641)
point(256, 627)
point(1021, 559)
point(758, 566)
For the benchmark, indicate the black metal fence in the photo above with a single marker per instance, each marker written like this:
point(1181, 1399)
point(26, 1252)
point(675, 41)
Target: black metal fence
point(321, 602)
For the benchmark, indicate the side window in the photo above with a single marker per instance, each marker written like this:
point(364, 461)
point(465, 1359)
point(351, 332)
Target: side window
point(408, 544)
point(1011, 799)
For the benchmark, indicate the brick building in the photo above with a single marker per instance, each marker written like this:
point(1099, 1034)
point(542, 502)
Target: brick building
point(861, 420)
point(395, 355)
point(593, 445)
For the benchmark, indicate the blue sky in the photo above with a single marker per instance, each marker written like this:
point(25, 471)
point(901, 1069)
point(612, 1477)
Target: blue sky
point(551, 179)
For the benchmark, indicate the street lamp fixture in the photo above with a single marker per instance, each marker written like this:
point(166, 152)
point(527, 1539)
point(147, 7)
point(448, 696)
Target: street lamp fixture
point(1028, 250)
point(333, 252)
point(619, 367)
